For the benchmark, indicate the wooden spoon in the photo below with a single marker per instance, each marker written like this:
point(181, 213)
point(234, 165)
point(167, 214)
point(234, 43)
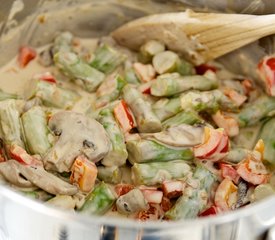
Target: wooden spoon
point(199, 37)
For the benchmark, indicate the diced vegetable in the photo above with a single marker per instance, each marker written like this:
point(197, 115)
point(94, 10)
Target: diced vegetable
point(155, 173)
point(145, 73)
point(107, 59)
point(72, 66)
point(99, 201)
point(144, 151)
point(36, 132)
point(26, 54)
point(150, 49)
point(124, 116)
point(228, 123)
point(109, 174)
point(109, 90)
point(146, 119)
point(63, 42)
point(10, 123)
point(172, 83)
point(166, 108)
point(209, 211)
point(51, 95)
point(83, 174)
point(131, 202)
point(117, 155)
point(266, 70)
point(187, 117)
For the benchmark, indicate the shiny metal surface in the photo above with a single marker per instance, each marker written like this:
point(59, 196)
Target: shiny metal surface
point(25, 219)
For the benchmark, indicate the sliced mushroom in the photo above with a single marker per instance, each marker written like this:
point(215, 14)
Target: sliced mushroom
point(41, 178)
point(12, 173)
point(78, 134)
point(182, 135)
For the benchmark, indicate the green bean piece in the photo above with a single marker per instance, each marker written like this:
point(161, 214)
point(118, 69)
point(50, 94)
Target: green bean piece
point(166, 108)
point(147, 120)
point(267, 135)
point(51, 95)
point(194, 200)
point(256, 111)
point(107, 59)
point(36, 132)
point(110, 90)
point(156, 172)
point(99, 201)
point(185, 68)
point(10, 123)
point(63, 42)
point(208, 101)
point(118, 154)
point(188, 117)
point(111, 175)
point(144, 151)
point(172, 83)
point(76, 69)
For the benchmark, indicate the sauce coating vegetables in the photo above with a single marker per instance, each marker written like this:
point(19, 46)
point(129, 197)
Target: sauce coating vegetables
point(144, 135)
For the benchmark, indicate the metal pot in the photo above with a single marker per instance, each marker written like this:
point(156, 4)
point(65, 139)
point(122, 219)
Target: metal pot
point(35, 22)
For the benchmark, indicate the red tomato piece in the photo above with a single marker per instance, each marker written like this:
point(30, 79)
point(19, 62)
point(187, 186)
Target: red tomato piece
point(209, 211)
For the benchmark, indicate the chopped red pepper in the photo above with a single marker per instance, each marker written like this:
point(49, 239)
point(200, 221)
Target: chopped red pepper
point(210, 211)
point(203, 68)
point(26, 54)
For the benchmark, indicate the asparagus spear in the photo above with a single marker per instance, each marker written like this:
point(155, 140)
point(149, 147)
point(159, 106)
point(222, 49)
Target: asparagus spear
point(166, 108)
point(118, 154)
point(193, 201)
point(188, 117)
point(255, 111)
point(99, 201)
point(63, 42)
point(5, 96)
point(267, 135)
point(51, 95)
point(168, 61)
point(146, 119)
point(149, 49)
point(172, 83)
point(144, 151)
point(36, 131)
point(111, 175)
point(72, 66)
point(157, 172)
point(10, 123)
point(107, 59)
point(209, 101)
point(109, 90)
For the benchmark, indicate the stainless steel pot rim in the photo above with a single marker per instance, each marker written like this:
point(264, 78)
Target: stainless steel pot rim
point(86, 220)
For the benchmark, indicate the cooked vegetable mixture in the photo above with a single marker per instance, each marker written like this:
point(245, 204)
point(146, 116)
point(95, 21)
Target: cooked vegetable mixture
point(144, 135)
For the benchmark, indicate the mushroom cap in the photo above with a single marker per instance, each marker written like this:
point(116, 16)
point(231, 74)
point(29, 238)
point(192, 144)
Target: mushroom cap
point(77, 134)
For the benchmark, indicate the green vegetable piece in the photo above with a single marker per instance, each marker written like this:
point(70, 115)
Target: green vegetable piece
point(268, 136)
point(188, 117)
point(146, 119)
point(51, 95)
point(166, 108)
point(156, 172)
point(111, 175)
point(63, 42)
point(36, 131)
point(72, 66)
point(99, 201)
point(107, 59)
point(144, 151)
point(172, 83)
point(10, 123)
point(208, 101)
point(149, 50)
point(256, 111)
point(118, 154)
point(194, 200)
